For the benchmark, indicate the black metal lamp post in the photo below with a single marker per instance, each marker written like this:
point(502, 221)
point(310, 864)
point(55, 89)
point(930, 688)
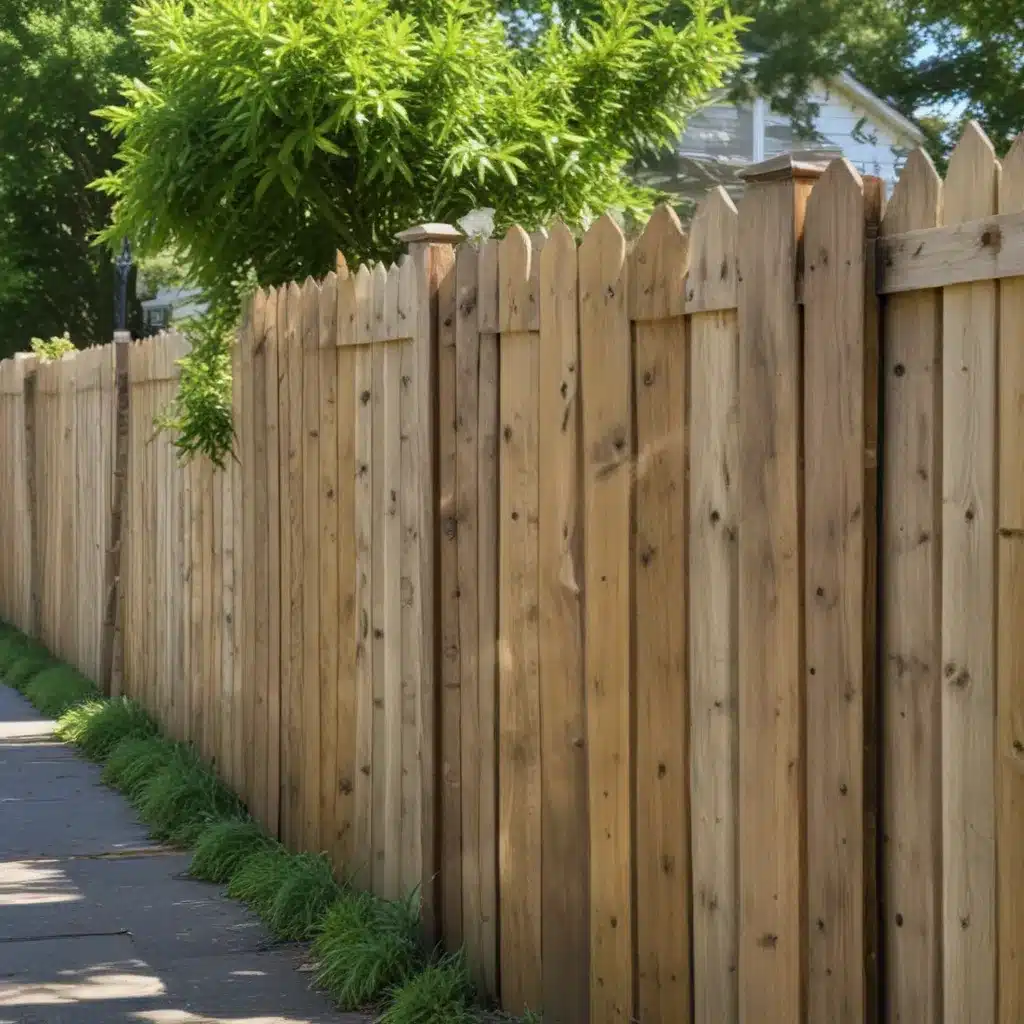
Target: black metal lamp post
point(122, 269)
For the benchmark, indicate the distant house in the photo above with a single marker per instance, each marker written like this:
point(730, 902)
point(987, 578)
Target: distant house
point(723, 138)
point(170, 304)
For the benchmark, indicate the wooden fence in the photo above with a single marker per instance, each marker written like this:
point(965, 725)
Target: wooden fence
point(637, 602)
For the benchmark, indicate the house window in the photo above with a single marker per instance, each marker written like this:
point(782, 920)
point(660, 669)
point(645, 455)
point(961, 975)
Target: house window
point(157, 317)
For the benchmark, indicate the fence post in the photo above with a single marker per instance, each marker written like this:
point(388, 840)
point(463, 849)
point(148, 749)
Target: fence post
point(771, 743)
point(111, 646)
point(432, 251)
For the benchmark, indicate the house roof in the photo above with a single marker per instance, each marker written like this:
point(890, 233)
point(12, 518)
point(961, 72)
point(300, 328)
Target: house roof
point(875, 105)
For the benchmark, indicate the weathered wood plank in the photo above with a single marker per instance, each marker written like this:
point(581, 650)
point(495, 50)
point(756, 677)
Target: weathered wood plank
point(607, 485)
point(488, 429)
point(448, 600)
point(473, 776)
point(1010, 659)
point(331, 628)
point(770, 656)
point(834, 579)
point(983, 247)
point(354, 318)
point(969, 353)
point(391, 536)
point(564, 890)
point(519, 813)
point(660, 678)
point(911, 653)
point(409, 296)
point(714, 524)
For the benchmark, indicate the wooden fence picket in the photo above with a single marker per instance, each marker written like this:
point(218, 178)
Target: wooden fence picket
point(969, 511)
point(714, 529)
point(1010, 618)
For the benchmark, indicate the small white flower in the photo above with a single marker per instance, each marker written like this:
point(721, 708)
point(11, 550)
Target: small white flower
point(478, 225)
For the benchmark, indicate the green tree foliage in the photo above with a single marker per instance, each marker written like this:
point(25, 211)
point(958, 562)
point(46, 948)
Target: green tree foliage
point(59, 60)
point(268, 135)
point(952, 58)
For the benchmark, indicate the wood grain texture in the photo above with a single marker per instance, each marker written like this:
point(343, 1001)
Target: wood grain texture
point(275, 513)
point(391, 621)
point(519, 778)
point(660, 678)
point(1010, 638)
point(564, 890)
point(607, 439)
point(451, 654)
point(411, 582)
point(488, 429)
point(473, 772)
point(985, 248)
point(911, 655)
point(834, 579)
point(291, 571)
point(354, 318)
point(713, 535)
point(969, 324)
point(770, 669)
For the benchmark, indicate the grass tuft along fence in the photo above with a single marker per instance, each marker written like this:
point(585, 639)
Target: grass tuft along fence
point(635, 603)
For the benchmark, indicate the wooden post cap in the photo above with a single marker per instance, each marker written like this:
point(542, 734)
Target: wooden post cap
point(797, 166)
point(431, 233)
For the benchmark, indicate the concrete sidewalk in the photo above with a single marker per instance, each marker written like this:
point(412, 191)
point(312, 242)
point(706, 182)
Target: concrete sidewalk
point(99, 925)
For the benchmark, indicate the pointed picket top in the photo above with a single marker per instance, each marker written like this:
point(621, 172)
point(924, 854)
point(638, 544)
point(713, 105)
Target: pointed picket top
point(517, 301)
point(560, 246)
point(603, 254)
point(1011, 183)
point(340, 265)
point(364, 305)
point(310, 313)
point(408, 296)
point(712, 277)
point(834, 231)
point(269, 319)
point(658, 265)
point(328, 334)
point(916, 201)
point(379, 300)
point(487, 299)
point(972, 180)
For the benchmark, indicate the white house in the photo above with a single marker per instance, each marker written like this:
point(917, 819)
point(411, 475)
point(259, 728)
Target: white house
point(724, 138)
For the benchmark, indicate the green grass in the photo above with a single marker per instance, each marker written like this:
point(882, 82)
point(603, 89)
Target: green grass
point(134, 761)
point(97, 726)
point(183, 797)
point(223, 846)
point(307, 891)
point(21, 657)
point(440, 994)
point(256, 881)
point(291, 892)
point(366, 947)
point(58, 688)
